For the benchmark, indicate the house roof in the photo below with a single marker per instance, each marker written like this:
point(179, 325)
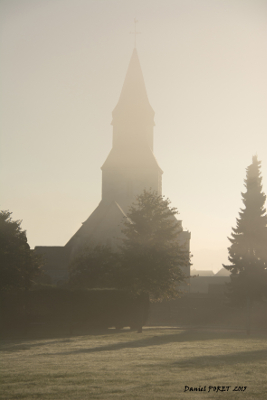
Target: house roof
point(223, 272)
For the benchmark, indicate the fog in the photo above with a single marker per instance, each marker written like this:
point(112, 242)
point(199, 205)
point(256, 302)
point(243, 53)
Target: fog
point(64, 64)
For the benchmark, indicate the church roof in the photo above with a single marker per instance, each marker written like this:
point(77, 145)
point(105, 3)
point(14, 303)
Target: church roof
point(101, 220)
point(133, 102)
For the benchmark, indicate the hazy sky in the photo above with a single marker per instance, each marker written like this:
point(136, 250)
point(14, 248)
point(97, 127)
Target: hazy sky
point(63, 65)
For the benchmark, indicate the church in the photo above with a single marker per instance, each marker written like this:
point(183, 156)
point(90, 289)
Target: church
point(130, 168)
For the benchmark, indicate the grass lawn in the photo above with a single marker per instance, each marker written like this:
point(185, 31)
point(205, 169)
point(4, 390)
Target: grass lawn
point(156, 364)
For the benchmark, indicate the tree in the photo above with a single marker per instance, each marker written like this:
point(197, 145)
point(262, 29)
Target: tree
point(148, 262)
point(18, 263)
point(248, 250)
point(151, 255)
point(93, 267)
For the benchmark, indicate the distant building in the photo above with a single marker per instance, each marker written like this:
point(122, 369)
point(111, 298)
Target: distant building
point(223, 272)
point(129, 168)
point(202, 272)
point(208, 282)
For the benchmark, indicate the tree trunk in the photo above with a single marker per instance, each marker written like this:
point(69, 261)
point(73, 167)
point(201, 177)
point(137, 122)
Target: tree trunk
point(248, 315)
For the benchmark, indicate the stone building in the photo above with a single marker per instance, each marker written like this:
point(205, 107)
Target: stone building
point(129, 168)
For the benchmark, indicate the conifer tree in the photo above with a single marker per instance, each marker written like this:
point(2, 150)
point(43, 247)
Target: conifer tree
point(248, 250)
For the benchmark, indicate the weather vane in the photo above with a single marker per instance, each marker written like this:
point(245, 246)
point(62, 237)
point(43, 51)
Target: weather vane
point(135, 31)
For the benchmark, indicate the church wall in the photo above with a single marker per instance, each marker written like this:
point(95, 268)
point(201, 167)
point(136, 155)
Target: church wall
point(136, 135)
point(124, 184)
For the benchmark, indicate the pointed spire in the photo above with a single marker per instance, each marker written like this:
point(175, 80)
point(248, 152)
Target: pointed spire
point(133, 104)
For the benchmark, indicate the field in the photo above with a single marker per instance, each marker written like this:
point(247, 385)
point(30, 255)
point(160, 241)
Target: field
point(156, 364)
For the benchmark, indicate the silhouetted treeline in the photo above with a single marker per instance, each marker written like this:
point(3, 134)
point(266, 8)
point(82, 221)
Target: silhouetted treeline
point(62, 307)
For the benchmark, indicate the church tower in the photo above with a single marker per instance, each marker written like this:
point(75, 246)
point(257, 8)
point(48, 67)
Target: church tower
point(129, 168)
point(131, 165)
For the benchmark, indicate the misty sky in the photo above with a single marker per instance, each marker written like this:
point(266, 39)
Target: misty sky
point(63, 65)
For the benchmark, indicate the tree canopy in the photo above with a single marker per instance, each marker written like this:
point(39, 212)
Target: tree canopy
point(248, 250)
point(93, 267)
point(150, 258)
point(18, 263)
point(151, 252)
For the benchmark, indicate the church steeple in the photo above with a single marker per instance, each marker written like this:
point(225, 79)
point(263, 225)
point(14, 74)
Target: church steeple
point(131, 165)
point(133, 116)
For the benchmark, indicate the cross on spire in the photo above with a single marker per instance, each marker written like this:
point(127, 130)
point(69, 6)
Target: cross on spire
point(135, 32)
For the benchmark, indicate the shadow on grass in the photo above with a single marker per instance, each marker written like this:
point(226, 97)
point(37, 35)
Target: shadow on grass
point(24, 341)
point(18, 345)
point(53, 332)
point(182, 336)
point(159, 339)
